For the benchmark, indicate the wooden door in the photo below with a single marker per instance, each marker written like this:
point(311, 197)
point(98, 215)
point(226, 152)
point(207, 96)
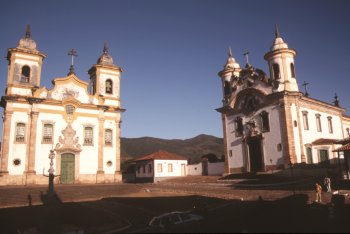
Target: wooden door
point(67, 168)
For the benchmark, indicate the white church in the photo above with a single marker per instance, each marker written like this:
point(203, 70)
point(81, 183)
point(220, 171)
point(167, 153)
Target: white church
point(268, 123)
point(79, 120)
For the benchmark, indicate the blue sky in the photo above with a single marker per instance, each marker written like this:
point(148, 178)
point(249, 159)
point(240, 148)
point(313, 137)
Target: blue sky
point(172, 50)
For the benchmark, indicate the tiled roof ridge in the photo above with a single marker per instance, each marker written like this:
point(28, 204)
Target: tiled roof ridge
point(161, 154)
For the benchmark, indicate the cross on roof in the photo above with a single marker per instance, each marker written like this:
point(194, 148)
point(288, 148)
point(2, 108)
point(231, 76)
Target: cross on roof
point(305, 84)
point(246, 56)
point(73, 54)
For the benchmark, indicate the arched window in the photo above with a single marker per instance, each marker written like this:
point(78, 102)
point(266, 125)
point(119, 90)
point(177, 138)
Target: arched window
point(109, 86)
point(330, 125)
point(265, 124)
point(20, 132)
point(227, 88)
point(25, 74)
point(305, 120)
point(276, 71)
point(318, 122)
point(239, 126)
point(292, 71)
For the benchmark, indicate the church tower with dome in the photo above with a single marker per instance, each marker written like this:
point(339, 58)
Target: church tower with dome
point(268, 124)
point(79, 121)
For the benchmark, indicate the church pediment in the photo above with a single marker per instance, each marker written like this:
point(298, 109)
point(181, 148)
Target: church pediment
point(249, 100)
point(69, 87)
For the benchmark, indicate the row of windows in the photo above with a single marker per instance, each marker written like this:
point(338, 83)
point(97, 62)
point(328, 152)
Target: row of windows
point(265, 123)
point(48, 134)
point(159, 168)
point(143, 168)
point(318, 122)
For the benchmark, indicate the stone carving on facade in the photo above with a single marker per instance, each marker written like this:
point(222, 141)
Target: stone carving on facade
point(68, 142)
point(252, 128)
point(251, 74)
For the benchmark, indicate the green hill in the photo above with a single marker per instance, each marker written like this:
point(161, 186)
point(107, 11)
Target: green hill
point(192, 148)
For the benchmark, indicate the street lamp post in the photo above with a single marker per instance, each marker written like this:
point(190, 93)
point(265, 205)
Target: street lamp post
point(51, 190)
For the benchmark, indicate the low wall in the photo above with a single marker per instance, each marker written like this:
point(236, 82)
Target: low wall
point(213, 169)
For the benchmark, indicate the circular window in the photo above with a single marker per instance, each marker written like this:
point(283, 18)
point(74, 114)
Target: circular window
point(109, 163)
point(17, 162)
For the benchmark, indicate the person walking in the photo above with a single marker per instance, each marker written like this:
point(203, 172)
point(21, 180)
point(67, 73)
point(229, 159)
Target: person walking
point(327, 183)
point(318, 193)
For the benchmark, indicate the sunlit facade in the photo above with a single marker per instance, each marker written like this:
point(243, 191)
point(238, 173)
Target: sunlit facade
point(268, 123)
point(79, 120)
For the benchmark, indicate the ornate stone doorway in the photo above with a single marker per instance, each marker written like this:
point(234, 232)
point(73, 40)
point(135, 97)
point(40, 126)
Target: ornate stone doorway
point(255, 154)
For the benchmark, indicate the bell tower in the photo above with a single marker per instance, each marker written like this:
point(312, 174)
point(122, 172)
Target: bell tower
point(281, 64)
point(105, 79)
point(231, 69)
point(24, 67)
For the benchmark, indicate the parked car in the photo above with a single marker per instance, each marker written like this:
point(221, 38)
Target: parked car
point(175, 219)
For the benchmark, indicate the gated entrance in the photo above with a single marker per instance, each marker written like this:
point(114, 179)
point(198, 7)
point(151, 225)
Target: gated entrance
point(67, 168)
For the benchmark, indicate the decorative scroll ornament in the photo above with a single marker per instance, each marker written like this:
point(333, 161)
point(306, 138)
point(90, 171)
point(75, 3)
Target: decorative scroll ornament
point(68, 142)
point(252, 128)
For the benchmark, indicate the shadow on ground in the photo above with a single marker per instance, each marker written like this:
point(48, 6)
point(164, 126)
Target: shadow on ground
point(130, 214)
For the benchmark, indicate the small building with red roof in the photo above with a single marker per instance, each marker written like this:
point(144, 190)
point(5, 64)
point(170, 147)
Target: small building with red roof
point(160, 165)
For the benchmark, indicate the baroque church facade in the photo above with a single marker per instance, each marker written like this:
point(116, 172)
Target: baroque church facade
point(79, 120)
point(268, 123)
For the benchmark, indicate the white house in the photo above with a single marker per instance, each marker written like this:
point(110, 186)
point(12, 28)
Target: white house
point(160, 165)
point(268, 123)
point(79, 120)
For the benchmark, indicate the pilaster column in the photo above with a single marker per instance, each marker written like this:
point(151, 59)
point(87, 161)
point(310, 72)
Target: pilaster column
point(226, 163)
point(303, 157)
point(6, 142)
point(288, 134)
point(117, 148)
point(101, 121)
point(32, 142)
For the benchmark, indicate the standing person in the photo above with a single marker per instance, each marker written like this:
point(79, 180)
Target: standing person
point(318, 193)
point(327, 183)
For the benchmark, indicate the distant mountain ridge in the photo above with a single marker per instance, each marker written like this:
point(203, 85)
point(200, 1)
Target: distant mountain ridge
point(192, 148)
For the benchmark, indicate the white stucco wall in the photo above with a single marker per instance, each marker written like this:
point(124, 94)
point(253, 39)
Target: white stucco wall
point(216, 168)
point(194, 169)
point(176, 168)
point(89, 153)
point(270, 139)
point(312, 134)
point(17, 150)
